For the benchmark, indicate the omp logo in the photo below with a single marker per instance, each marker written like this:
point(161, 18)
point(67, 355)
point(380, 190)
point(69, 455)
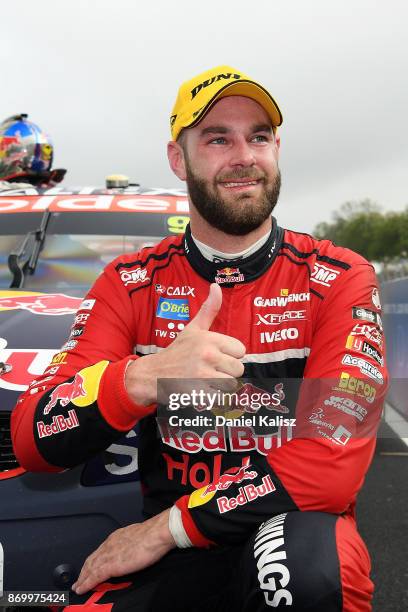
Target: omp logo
point(323, 275)
point(173, 309)
point(132, 277)
point(218, 77)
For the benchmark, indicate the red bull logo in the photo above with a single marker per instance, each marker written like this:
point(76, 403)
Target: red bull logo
point(229, 275)
point(53, 304)
point(233, 476)
point(59, 423)
point(228, 271)
point(246, 494)
point(66, 392)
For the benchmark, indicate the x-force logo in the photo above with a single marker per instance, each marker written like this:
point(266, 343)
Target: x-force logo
point(275, 318)
point(228, 76)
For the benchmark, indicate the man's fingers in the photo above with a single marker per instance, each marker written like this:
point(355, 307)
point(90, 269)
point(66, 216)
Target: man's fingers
point(89, 579)
point(229, 345)
point(209, 309)
point(230, 365)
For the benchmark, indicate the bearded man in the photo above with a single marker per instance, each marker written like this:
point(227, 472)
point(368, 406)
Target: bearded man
point(237, 517)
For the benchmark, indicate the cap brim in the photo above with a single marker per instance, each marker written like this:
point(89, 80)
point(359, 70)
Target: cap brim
point(248, 89)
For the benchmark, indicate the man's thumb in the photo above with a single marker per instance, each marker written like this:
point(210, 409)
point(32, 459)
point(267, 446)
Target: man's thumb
point(209, 309)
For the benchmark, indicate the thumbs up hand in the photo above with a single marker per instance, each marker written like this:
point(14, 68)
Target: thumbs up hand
point(196, 353)
point(208, 311)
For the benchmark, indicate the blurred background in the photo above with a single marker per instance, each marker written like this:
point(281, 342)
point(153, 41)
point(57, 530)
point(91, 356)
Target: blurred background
point(101, 78)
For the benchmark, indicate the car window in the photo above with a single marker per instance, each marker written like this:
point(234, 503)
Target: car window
point(78, 245)
point(7, 245)
point(68, 261)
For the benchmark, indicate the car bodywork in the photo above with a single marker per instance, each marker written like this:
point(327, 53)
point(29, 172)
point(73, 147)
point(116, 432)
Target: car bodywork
point(61, 240)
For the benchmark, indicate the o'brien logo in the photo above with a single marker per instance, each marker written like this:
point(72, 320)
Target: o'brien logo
point(132, 277)
point(59, 424)
point(217, 77)
point(173, 309)
point(229, 275)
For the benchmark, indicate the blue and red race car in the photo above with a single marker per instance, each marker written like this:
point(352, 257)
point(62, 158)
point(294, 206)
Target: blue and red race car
point(53, 245)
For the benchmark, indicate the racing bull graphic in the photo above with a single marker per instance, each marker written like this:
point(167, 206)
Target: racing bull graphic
point(41, 304)
point(66, 392)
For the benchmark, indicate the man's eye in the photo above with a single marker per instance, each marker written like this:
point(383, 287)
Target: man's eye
point(260, 138)
point(218, 140)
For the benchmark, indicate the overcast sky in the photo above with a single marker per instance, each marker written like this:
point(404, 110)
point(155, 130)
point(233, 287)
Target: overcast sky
point(101, 76)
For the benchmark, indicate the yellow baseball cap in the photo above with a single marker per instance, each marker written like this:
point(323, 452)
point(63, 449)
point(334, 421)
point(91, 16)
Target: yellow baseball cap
point(196, 96)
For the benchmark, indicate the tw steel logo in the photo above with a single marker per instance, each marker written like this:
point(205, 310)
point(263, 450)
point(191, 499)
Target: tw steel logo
point(53, 304)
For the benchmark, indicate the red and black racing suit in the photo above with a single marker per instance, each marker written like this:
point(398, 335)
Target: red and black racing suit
point(304, 309)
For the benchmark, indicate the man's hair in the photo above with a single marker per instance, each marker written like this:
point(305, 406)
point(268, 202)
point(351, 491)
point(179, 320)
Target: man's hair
point(181, 139)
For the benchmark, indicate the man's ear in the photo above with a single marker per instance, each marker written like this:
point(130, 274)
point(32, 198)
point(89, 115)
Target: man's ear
point(177, 162)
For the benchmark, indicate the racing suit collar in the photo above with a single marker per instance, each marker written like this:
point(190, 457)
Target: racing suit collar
point(231, 272)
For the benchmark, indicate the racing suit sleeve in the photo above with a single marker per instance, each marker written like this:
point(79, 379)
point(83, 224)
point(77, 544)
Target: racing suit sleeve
point(80, 405)
point(338, 411)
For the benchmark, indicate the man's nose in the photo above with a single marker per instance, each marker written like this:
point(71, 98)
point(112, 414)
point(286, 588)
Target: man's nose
point(242, 154)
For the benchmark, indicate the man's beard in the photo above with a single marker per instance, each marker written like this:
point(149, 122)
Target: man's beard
point(243, 213)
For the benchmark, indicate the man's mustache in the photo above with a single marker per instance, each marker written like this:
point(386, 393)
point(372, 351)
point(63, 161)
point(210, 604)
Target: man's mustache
point(240, 173)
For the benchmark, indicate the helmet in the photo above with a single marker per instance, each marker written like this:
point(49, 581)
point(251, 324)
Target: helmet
point(25, 151)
